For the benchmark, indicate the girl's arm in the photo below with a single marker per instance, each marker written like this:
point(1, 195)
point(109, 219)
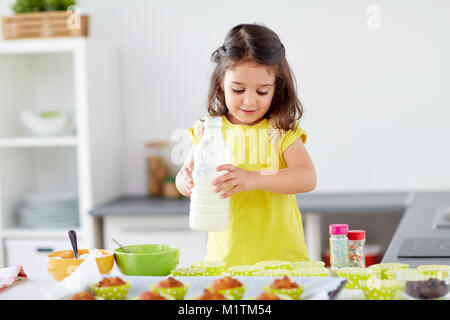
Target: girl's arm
point(298, 177)
point(184, 181)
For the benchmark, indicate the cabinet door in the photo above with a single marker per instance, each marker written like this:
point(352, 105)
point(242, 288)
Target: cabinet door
point(31, 253)
point(165, 229)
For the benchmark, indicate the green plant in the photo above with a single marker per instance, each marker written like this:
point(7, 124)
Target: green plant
point(24, 6)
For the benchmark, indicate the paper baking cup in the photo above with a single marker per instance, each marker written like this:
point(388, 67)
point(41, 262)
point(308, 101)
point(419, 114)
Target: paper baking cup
point(275, 264)
point(295, 293)
point(381, 268)
point(405, 275)
point(227, 297)
point(354, 275)
point(308, 264)
point(188, 272)
point(112, 293)
point(211, 268)
point(235, 293)
point(272, 273)
point(244, 270)
point(177, 293)
point(376, 289)
point(310, 272)
point(437, 271)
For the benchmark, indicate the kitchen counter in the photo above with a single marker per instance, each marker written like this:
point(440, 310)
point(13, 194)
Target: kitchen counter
point(418, 208)
point(323, 203)
point(417, 222)
point(39, 282)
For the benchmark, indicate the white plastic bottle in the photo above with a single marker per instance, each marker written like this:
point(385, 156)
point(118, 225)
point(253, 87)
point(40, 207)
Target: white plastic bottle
point(208, 211)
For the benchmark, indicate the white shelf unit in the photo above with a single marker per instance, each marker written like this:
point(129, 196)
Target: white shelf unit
point(75, 75)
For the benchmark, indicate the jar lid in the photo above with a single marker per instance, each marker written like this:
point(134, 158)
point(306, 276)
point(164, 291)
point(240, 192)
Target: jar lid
point(338, 228)
point(356, 235)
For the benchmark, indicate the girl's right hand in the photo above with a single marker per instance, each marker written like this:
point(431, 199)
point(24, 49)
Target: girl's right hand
point(186, 174)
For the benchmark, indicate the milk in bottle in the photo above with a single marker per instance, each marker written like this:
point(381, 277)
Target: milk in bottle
point(208, 211)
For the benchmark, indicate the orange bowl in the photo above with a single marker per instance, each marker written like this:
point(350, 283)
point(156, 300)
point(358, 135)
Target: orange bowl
point(60, 264)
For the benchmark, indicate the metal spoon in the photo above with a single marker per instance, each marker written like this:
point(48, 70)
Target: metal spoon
point(73, 241)
point(116, 242)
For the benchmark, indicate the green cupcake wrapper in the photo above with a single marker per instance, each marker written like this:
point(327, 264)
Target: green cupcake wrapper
point(437, 271)
point(381, 268)
point(308, 264)
point(275, 264)
point(228, 297)
point(376, 289)
point(112, 293)
point(311, 272)
point(272, 273)
point(188, 272)
point(211, 268)
point(354, 275)
point(295, 293)
point(234, 293)
point(405, 275)
point(244, 270)
point(177, 293)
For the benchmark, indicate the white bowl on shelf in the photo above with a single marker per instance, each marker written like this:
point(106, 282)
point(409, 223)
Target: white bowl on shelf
point(45, 124)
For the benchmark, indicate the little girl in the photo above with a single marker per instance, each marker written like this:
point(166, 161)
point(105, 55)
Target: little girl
point(253, 89)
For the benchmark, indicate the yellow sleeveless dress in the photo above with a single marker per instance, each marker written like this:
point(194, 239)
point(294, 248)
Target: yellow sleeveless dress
point(263, 225)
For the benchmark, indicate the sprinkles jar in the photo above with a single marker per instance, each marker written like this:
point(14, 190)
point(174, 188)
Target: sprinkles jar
point(356, 241)
point(338, 247)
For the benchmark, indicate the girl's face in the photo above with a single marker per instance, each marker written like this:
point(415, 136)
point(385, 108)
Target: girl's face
point(249, 88)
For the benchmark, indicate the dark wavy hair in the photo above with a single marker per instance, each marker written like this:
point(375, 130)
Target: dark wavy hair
point(257, 43)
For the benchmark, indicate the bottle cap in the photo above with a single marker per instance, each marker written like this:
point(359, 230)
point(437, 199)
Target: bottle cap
point(338, 228)
point(356, 235)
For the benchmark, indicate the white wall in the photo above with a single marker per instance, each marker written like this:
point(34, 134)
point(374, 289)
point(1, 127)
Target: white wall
point(377, 102)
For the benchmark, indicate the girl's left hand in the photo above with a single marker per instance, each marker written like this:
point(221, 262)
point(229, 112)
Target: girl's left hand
point(236, 179)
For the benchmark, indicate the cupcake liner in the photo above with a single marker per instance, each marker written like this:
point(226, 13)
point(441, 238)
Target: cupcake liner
point(211, 268)
point(275, 264)
point(308, 264)
point(111, 293)
point(311, 272)
point(437, 271)
point(244, 270)
point(228, 297)
point(354, 275)
point(376, 289)
point(235, 293)
point(294, 293)
point(177, 293)
point(272, 273)
point(381, 268)
point(405, 275)
point(188, 272)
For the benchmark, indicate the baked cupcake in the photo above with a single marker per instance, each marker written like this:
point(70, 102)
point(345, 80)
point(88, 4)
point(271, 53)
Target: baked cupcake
point(228, 286)
point(211, 295)
point(172, 287)
point(149, 295)
point(286, 287)
point(111, 288)
point(271, 296)
point(85, 295)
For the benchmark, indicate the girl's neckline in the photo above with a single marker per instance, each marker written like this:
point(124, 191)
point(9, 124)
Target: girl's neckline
point(244, 125)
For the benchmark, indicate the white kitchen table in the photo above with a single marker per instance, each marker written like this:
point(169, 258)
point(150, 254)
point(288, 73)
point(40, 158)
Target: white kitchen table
point(34, 288)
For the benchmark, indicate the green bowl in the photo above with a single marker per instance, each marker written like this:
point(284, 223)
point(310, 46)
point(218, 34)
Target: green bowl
point(147, 259)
